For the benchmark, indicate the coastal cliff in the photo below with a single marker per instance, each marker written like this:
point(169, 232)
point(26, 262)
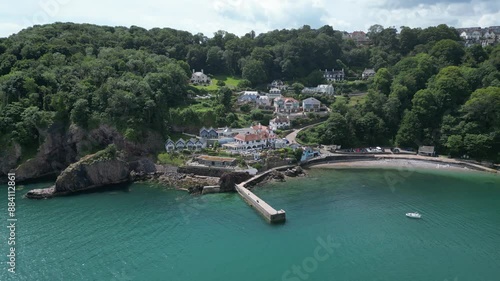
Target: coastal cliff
point(63, 146)
point(83, 176)
point(103, 168)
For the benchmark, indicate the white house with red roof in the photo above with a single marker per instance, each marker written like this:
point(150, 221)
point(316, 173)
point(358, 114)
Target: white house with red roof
point(259, 138)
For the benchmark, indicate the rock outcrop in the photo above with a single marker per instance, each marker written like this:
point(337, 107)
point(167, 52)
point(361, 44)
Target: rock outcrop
point(79, 177)
point(294, 172)
point(44, 193)
point(229, 180)
point(103, 168)
point(276, 175)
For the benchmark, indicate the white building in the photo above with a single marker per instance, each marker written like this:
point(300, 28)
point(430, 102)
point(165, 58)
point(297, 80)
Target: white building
point(367, 73)
point(191, 144)
point(334, 75)
point(274, 93)
point(326, 89)
point(257, 137)
point(278, 84)
point(199, 78)
point(310, 105)
point(248, 96)
point(279, 123)
point(263, 101)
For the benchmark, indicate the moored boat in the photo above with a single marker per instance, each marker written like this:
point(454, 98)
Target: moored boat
point(414, 215)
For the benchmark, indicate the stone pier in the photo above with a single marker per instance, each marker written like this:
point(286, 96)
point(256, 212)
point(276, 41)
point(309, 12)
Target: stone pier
point(268, 212)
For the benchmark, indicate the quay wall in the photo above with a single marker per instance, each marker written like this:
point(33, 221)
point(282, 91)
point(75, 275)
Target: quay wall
point(268, 212)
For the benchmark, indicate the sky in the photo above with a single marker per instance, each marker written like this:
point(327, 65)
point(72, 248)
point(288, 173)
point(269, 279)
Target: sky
point(242, 16)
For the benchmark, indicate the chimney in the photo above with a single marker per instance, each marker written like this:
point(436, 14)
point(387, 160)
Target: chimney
point(193, 70)
point(202, 70)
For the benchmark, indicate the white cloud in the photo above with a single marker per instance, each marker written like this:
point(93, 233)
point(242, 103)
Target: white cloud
point(241, 16)
point(7, 28)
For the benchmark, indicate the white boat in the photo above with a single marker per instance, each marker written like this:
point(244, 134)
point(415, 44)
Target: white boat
point(414, 215)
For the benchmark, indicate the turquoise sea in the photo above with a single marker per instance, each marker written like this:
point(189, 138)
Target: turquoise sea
point(344, 224)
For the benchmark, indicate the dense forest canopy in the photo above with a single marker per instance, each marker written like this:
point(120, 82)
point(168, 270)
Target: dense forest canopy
point(428, 89)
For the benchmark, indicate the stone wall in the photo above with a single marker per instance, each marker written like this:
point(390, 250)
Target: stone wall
point(203, 171)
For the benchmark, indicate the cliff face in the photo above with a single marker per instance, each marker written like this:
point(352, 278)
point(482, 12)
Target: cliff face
point(103, 168)
point(64, 146)
point(85, 175)
point(9, 157)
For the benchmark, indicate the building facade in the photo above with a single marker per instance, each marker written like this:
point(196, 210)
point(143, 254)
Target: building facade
point(334, 75)
point(286, 105)
point(199, 78)
point(311, 105)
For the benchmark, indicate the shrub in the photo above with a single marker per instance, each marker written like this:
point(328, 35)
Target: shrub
point(171, 159)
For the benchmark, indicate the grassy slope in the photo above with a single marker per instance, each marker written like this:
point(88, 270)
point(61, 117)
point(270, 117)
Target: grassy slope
point(231, 82)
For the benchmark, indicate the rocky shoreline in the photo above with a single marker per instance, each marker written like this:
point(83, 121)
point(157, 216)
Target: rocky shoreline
point(79, 178)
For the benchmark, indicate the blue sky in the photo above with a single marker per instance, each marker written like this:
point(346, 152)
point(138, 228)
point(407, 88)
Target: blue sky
point(241, 16)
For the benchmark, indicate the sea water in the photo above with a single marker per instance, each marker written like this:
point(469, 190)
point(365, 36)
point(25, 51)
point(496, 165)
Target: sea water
point(346, 224)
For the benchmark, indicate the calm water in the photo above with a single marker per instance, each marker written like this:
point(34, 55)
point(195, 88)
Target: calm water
point(148, 233)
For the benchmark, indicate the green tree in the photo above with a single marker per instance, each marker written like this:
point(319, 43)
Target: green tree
point(254, 72)
point(225, 95)
point(80, 113)
point(382, 81)
point(448, 52)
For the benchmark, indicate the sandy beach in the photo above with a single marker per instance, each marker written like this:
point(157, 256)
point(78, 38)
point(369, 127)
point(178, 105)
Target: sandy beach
point(406, 164)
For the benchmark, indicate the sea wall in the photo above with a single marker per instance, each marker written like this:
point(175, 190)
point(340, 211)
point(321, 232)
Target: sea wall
point(261, 177)
point(203, 171)
point(375, 157)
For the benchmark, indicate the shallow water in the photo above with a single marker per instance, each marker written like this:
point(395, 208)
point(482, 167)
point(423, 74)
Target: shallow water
point(144, 232)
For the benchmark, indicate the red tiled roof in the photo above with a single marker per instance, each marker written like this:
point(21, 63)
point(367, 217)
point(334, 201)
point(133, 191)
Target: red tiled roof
point(260, 127)
point(290, 100)
point(248, 137)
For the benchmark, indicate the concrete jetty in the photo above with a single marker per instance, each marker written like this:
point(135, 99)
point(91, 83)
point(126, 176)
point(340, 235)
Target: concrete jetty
point(267, 211)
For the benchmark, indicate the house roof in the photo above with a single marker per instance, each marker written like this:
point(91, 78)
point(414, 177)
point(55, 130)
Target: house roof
point(369, 71)
point(312, 101)
point(216, 158)
point(207, 130)
point(280, 119)
point(333, 71)
point(323, 86)
point(250, 93)
point(260, 127)
point(247, 137)
point(284, 99)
